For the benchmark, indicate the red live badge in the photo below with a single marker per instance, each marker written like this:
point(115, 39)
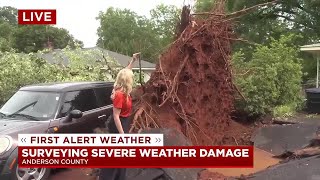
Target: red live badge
point(37, 16)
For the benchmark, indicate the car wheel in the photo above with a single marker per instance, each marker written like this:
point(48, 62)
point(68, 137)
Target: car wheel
point(31, 173)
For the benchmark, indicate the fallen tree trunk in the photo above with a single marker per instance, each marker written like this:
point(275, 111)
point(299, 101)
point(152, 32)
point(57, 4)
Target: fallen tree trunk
point(307, 152)
point(312, 149)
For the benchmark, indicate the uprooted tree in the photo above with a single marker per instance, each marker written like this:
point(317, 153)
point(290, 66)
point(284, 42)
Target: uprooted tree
point(192, 88)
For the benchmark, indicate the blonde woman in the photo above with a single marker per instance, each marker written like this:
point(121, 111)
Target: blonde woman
point(122, 102)
point(122, 107)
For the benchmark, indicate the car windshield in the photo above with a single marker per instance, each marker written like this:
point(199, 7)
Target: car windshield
point(31, 105)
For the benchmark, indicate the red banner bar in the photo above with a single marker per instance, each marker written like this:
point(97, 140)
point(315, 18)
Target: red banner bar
point(37, 16)
point(136, 157)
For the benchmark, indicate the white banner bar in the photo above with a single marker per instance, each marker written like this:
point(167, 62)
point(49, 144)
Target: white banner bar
point(90, 140)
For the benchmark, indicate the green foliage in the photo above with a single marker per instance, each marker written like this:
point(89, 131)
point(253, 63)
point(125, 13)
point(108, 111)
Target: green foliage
point(67, 65)
point(258, 27)
point(34, 38)
point(297, 16)
point(300, 17)
point(125, 32)
point(165, 19)
point(18, 70)
point(8, 14)
point(29, 39)
point(311, 116)
point(204, 5)
point(137, 78)
point(284, 111)
point(6, 30)
point(271, 78)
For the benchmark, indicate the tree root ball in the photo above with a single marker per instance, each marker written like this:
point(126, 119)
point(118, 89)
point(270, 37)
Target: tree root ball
point(192, 89)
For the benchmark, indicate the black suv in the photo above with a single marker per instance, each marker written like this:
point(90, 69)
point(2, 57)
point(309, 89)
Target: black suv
point(76, 107)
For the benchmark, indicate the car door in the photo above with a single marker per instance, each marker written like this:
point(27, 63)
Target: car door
point(103, 95)
point(85, 101)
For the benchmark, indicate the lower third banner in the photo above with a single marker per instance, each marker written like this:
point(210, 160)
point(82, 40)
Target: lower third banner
point(136, 157)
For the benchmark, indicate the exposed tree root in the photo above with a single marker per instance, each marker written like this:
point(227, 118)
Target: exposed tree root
point(192, 88)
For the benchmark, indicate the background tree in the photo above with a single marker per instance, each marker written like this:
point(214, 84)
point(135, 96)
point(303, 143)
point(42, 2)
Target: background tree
point(299, 17)
point(30, 38)
point(204, 5)
point(6, 30)
point(165, 19)
point(269, 58)
point(34, 38)
point(125, 32)
point(8, 22)
point(8, 14)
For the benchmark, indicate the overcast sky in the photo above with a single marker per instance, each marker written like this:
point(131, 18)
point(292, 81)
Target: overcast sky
point(78, 16)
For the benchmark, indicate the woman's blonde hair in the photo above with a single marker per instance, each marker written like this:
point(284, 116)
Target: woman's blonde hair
point(124, 81)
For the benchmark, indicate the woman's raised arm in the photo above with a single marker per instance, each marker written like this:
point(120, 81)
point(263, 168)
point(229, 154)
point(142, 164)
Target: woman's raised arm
point(135, 56)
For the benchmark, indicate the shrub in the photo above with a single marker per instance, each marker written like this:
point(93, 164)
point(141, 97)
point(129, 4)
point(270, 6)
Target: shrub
point(272, 78)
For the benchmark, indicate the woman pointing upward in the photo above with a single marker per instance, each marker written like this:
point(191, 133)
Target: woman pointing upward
point(122, 102)
point(122, 107)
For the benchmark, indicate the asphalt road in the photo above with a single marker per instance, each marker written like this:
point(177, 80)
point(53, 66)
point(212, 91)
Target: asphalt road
point(306, 169)
point(70, 174)
point(280, 139)
point(262, 160)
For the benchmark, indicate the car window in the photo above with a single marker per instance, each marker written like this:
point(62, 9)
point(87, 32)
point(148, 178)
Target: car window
point(103, 95)
point(40, 105)
point(83, 100)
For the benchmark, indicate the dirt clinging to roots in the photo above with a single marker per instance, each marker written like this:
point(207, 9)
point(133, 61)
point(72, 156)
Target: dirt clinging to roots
point(191, 89)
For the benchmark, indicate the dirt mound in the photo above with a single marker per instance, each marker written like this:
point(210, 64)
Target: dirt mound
point(192, 89)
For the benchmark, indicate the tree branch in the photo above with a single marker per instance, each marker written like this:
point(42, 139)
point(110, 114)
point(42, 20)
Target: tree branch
point(238, 13)
point(292, 20)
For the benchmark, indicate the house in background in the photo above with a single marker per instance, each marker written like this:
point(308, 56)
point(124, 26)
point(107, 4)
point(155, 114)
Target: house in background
point(146, 67)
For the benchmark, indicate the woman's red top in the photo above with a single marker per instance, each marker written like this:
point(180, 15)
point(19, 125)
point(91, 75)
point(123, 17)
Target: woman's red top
point(121, 101)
